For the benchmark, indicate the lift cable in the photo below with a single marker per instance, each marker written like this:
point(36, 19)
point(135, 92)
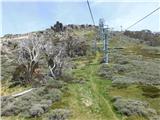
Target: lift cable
point(143, 18)
point(90, 12)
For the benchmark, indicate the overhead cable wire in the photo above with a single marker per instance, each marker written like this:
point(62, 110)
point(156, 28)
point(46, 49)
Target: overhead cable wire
point(90, 12)
point(143, 18)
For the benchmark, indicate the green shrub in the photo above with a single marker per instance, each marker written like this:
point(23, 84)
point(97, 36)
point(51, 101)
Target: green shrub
point(120, 86)
point(150, 91)
point(54, 84)
point(131, 107)
point(59, 114)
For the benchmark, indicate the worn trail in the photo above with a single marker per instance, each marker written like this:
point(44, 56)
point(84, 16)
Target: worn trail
point(89, 101)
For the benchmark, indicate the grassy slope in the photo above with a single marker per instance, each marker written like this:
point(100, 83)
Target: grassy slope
point(134, 91)
point(91, 97)
point(91, 100)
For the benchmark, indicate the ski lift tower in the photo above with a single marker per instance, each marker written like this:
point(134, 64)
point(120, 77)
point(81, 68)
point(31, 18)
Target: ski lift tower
point(104, 37)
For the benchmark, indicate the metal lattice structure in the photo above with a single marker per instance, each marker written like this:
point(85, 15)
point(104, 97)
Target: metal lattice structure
point(104, 34)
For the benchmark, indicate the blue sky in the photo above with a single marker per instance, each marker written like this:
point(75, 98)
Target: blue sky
point(27, 16)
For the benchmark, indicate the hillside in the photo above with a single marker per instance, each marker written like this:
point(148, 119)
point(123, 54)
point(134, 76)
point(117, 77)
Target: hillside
point(79, 86)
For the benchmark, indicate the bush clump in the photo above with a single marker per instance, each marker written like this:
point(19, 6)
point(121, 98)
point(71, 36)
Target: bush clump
point(130, 107)
point(59, 114)
point(150, 91)
point(106, 71)
point(54, 84)
point(32, 104)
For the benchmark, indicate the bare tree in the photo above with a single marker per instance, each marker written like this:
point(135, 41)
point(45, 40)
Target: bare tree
point(29, 55)
point(57, 63)
point(55, 57)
